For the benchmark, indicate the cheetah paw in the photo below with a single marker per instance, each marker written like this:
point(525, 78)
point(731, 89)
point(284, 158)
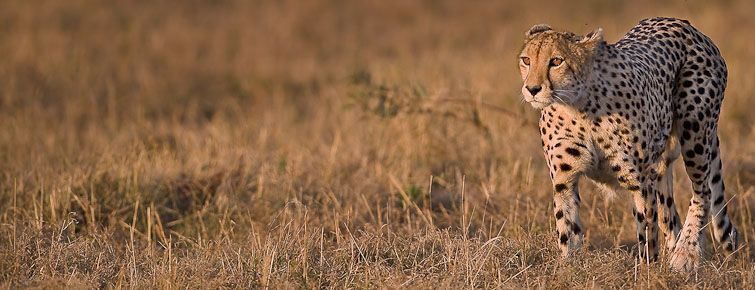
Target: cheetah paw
point(685, 259)
point(730, 243)
point(573, 245)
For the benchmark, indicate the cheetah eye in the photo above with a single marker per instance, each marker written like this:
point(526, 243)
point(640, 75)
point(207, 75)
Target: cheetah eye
point(556, 61)
point(526, 60)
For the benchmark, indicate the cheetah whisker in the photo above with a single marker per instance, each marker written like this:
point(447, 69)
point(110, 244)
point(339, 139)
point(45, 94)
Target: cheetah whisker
point(561, 99)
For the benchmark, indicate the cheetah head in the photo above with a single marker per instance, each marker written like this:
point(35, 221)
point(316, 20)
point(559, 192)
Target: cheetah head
point(555, 65)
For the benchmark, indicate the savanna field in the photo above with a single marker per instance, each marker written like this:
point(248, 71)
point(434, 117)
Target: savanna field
point(319, 144)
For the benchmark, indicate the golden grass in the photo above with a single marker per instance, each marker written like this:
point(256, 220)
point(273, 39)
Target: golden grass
point(303, 144)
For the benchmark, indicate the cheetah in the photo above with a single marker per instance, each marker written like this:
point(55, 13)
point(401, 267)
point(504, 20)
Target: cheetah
point(621, 114)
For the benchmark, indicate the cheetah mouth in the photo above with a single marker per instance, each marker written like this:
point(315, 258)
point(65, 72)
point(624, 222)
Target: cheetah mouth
point(537, 104)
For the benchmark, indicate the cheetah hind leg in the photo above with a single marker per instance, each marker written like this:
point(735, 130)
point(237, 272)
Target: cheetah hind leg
point(724, 230)
point(696, 151)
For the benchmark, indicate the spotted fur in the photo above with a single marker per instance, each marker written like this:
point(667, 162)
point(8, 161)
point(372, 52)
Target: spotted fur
point(621, 114)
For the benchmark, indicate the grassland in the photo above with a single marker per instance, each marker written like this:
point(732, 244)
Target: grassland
point(317, 144)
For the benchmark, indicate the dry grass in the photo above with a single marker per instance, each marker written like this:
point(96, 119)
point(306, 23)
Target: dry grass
point(314, 144)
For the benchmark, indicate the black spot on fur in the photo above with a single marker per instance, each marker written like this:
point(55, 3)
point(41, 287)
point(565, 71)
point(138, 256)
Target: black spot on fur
point(640, 217)
point(699, 149)
point(716, 179)
point(573, 152)
point(719, 200)
point(576, 229)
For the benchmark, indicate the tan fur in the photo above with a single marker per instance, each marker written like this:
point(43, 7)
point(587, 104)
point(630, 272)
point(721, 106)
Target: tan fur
point(541, 48)
point(620, 114)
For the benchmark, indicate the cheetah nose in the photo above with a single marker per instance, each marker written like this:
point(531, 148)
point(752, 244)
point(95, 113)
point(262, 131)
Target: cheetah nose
point(534, 89)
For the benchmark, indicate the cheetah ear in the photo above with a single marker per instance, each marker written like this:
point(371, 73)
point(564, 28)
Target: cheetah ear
point(595, 36)
point(538, 28)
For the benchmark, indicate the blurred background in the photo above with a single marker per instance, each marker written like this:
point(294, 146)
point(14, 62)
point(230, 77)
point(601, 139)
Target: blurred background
point(321, 143)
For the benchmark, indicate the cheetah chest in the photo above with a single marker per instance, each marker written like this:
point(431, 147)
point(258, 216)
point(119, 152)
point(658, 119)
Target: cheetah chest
point(606, 148)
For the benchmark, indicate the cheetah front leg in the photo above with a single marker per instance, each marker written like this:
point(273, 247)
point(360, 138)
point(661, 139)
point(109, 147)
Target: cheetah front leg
point(568, 158)
point(670, 224)
point(644, 210)
point(646, 217)
point(566, 210)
